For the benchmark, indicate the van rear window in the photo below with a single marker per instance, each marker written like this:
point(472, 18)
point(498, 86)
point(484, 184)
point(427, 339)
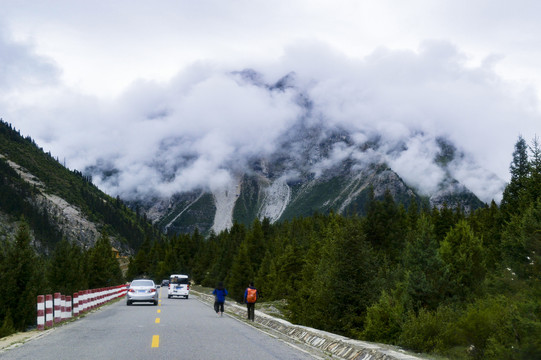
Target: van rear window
point(176, 280)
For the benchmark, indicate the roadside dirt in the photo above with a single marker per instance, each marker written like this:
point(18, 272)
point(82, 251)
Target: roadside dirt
point(17, 339)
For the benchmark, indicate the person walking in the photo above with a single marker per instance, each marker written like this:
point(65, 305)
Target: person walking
point(250, 297)
point(219, 298)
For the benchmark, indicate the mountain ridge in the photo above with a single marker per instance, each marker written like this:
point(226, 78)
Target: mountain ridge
point(280, 196)
point(60, 203)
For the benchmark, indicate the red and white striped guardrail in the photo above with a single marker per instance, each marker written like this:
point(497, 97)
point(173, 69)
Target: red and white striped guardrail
point(66, 307)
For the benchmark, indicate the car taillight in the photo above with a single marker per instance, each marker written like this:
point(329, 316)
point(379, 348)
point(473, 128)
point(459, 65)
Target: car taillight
point(152, 290)
point(131, 290)
point(188, 287)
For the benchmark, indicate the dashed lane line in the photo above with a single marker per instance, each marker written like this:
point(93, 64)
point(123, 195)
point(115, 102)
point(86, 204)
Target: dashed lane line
point(156, 341)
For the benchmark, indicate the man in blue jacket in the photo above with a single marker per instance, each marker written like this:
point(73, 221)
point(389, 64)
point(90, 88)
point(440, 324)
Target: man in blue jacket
point(219, 298)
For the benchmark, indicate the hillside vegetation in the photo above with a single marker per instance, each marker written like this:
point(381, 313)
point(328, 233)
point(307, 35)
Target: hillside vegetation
point(39, 250)
point(50, 177)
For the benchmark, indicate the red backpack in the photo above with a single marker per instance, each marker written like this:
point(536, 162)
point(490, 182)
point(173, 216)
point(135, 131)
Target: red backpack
point(251, 296)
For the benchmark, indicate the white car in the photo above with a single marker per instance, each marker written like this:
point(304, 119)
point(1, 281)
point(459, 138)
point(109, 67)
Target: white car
point(142, 290)
point(179, 285)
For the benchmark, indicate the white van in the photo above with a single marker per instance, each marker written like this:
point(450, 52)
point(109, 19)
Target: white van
point(179, 285)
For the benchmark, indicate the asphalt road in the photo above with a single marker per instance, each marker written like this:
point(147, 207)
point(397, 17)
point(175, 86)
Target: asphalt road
point(175, 329)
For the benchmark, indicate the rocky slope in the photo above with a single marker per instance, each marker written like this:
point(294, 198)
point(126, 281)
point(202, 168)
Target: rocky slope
point(59, 203)
point(298, 180)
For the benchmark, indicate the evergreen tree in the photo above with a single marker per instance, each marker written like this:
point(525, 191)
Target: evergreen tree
point(488, 223)
point(204, 259)
point(104, 269)
point(534, 181)
point(256, 241)
point(463, 255)
point(141, 265)
point(355, 285)
point(241, 273)
point(514, 193)
point(424, 278)
point(322, 298)
point(299, 304)
point(443, 219)
point(266, 279)
point(65, 270)
point(20, 280)
point(7, 327)
point(521, 241)
point(384, 226)
point(286, 275)
point(384, 319)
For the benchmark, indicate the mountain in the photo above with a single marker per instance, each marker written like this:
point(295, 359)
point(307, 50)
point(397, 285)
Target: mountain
point(315, 167)
point(57, 202)
point(303, 176)
point(311, 164)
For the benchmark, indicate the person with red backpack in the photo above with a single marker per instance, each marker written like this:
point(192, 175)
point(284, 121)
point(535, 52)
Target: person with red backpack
point(250, 297)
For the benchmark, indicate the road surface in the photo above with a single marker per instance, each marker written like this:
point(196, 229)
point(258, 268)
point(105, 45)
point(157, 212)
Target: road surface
point(175, 329)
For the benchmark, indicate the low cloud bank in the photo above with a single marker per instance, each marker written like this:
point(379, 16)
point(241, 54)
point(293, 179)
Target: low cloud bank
point(195, 130)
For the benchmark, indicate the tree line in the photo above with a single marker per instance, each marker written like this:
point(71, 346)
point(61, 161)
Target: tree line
point(24, 274)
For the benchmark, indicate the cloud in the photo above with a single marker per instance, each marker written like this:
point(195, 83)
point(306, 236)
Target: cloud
point(434, 92)
point(184, 134)
point(196, 129)
point(21, 68)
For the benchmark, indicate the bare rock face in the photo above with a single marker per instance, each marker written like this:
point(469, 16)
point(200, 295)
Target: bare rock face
point(300, 178)
point(68, 219)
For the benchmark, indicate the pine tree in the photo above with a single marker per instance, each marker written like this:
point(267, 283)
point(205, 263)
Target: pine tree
point(463, 255)
point(384, 226)
point(241, 273)
point(488, 223)
point(266, 277)
point(65, 270)
point(514, 196)
point(534, 181)
point(104, 269)
point(297, 303)
point(522, 243)
point(423, 266)
point(20, 279)
point(256, 241)
point(287, 272)
point(8, 327)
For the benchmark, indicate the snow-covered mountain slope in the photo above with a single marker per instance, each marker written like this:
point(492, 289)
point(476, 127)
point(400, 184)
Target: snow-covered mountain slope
point(315, 164)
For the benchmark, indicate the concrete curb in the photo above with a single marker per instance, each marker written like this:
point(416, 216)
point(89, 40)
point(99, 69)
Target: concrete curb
point(335, 345)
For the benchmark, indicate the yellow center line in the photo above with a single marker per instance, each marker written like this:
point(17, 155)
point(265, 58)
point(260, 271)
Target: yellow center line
point(155, 341)
point(157, 320)
point(159, 311)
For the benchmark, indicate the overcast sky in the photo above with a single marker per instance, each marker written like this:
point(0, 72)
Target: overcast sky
point(130, 84)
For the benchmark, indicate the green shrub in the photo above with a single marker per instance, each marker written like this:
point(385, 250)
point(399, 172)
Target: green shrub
point(427, 331)
point(384, 320)
point(489, 329)
point(7, 325)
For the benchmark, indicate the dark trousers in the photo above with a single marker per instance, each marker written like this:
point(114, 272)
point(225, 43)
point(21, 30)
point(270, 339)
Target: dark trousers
point(251, 311)
point(218, 306)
